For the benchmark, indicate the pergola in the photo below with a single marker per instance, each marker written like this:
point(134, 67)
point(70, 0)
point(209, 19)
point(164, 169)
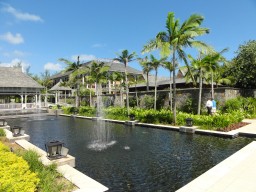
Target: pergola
point(13, 83)
point(58, 89)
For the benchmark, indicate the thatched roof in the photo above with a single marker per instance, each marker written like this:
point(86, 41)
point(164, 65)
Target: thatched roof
point(14, 77)
point(116, 67)
point(61, 74)
point(58, 87)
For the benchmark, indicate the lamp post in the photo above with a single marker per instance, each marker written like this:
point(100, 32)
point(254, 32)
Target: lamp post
point(189, 122)
point(53, 149)
point(3, 122)
point(16, 131)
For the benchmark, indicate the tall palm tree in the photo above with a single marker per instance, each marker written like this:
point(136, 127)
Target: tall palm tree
point(46, 82)
point(125, 57)
point(169, 66)
point(74, 76)
point(214, 59)
point(198, 66)
point(99, 73)
point(175, 39)
point(146, 68)
point(155, 64)
point(117, 77)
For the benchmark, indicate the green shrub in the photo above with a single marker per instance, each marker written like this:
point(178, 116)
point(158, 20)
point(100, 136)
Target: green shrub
point(69, 110)
point(132, 102)
point(87, 111)
point(163, 116)
point(118, 113)
point(215, 122)
point(2, 133)
point(3, 148)
point(15, 175)
point(147, 102)
point(46, 174)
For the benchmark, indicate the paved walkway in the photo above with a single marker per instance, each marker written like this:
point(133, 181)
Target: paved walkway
point(237, 173)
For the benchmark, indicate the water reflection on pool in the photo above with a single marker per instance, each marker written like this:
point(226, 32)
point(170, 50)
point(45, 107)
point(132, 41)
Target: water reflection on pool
point(140, 159)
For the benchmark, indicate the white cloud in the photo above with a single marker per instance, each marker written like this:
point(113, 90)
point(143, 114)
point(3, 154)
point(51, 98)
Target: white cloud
point(53, 66)
point(83, 57)
point(17, 53)
point(15, 62)
point(22, 15)
point(13, 39)
point(14, 54)
point(98, 45)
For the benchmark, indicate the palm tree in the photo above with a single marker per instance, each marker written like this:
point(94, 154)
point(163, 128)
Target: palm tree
point(146, 68)
point(74, 76)
point(125, 58)
point(155, 64)
point(46, 82)
point(219, 79)
point(214, 59)
point(175, 39)
point(117, 77)
point(99, 73)
point(169, 66)
point(198, 67)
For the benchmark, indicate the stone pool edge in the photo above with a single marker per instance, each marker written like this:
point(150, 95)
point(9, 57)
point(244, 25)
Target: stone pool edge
point(65, 165)
point(241, 132)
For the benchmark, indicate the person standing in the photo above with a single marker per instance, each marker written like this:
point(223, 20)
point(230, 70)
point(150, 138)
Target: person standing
point(214, 106)
point(209, 106)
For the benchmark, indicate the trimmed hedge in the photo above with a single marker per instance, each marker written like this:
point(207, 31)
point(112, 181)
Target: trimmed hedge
point(15, 175)
point(165, 116)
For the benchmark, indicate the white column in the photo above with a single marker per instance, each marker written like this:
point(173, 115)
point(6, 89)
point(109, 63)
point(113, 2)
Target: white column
point(36, 100)
point(56, 97)
point(40, 101)
point(25, 101)
point(21, 101)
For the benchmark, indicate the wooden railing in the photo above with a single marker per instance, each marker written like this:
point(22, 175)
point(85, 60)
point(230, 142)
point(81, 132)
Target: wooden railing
point(17, 106)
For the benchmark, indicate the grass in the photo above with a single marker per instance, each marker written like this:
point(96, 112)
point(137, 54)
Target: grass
point(50, 179)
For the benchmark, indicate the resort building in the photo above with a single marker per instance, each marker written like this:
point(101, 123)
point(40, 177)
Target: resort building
point(18, 90)
point(109, 87)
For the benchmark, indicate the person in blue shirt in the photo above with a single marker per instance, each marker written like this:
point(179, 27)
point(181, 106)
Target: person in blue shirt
point(214, 106)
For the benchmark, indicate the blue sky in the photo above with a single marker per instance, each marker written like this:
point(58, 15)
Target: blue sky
point(38, 33)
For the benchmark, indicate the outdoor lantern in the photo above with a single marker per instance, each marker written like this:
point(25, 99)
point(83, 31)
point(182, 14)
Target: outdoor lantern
point(189, 122)
point(75, 111)
point(132, 117)
point(16, 131)
point(53, 149)
point(3, 122)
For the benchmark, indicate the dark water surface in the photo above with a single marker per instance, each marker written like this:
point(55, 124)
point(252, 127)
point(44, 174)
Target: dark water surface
point(142, 159)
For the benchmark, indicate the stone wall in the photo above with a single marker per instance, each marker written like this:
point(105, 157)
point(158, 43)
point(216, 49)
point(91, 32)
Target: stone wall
point(220, 94)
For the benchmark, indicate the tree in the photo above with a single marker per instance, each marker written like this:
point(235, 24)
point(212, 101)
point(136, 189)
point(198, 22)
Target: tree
point(213, 61)
point(204, 68)
point(118, 77)
point(155, 64)
point(74, 76)
point(146, 68)
point(169, 66)
point(125, 57)
point(242, 68)
point(98, 74)
point(198, 67)
point(175, 39)
point(46, 82)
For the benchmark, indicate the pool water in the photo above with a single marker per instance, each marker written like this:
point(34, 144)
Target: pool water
point(139, 158)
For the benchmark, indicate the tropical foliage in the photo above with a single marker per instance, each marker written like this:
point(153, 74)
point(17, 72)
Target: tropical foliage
point(125, 57)
point(15, 174)
point(242, 69)
point(177, 37)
